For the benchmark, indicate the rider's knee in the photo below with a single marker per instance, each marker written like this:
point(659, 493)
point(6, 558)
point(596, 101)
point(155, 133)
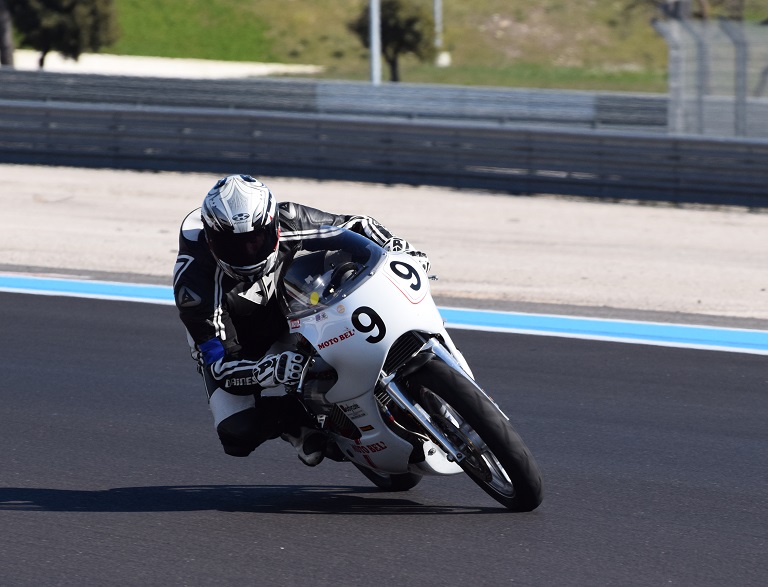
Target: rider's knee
point(239, 433)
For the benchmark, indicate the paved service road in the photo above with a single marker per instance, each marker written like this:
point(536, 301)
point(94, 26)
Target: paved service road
point(654, 464)
point(543, 254)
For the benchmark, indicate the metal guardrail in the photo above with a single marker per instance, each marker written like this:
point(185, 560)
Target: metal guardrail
point(475, 105)
point(513, 159)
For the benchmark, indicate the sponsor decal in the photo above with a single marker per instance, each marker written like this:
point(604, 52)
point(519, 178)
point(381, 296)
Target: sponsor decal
point(287, 210)
point(336, 339)
point(238, 381)
point(353, 411)
point(369, 448)
point(261, 291)
point(182, 264)
point(366, 428)
point(341, 309)
point(187, 298)
point(241, 216)
point(321, 316)
point(295, 323)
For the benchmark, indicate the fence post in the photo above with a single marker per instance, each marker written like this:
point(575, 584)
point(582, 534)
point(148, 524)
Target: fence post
point(375, 40)
point(702, 68)
point(671, 32)
point(735, 33)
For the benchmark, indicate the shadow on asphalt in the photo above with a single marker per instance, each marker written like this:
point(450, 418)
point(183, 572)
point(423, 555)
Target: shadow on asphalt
point(287, 499)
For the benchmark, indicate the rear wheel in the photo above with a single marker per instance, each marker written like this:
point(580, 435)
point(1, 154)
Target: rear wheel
point(391, 482)
point(495, 457)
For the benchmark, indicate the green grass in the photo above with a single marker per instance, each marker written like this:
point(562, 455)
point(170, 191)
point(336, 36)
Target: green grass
point(543, 76)
point(222, 29)
point(522, 75)
point(591, 44)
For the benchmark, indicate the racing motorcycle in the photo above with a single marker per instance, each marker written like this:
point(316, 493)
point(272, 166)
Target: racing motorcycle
point(384, 380)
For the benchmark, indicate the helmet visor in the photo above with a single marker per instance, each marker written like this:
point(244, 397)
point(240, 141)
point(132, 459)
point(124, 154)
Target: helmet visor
point(245, 249)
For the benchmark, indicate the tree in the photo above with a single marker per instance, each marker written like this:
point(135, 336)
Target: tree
point(6, 35)
point(70, 27)
point(407, 26)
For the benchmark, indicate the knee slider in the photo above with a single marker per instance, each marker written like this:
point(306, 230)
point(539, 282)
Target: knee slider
point(243, 431)
point(239, 433)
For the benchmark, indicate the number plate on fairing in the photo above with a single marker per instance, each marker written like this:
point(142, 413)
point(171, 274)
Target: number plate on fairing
point(409, 278)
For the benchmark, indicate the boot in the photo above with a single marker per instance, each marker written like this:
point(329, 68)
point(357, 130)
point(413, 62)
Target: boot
point(309, 444)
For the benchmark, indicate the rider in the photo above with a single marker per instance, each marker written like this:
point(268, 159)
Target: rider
point(224, 289)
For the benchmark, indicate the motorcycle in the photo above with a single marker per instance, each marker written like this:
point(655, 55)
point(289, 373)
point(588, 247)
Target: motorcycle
point(385, 381)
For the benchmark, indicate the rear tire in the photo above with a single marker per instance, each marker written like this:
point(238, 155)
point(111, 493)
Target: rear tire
point(496, 458)
point(391, 482)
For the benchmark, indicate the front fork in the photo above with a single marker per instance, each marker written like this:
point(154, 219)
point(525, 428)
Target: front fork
point(435, 348)
point(422, 418)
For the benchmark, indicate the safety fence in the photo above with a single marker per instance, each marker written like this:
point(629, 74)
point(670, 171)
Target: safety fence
point(472, 105)
point(718, 77)
point(509, 158)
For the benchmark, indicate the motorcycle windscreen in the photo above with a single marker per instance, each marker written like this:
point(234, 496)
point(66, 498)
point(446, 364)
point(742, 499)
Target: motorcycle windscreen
point(322, 270)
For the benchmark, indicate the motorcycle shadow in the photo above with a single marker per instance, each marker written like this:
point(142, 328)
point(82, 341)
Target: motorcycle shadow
point(286, 499)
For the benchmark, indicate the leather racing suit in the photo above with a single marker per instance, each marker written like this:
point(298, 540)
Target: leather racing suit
point(231, 326)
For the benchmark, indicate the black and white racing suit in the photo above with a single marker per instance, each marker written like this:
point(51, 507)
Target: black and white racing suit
point(231, 326)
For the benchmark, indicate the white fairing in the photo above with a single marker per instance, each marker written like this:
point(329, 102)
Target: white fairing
point(353, 333)
point(342, 333)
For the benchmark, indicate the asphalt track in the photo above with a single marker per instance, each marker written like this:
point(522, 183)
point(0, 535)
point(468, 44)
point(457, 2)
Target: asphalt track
point(654, 461)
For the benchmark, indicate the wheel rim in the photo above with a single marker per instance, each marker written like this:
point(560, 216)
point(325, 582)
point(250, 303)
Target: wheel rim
point(479, 461)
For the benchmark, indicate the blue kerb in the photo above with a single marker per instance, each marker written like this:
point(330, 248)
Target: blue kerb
point(678, 335)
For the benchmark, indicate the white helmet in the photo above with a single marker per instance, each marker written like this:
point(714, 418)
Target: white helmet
point(241, 227)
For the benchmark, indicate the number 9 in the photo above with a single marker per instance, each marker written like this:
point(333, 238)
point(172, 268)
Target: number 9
point(374, 322)
point(407, 272)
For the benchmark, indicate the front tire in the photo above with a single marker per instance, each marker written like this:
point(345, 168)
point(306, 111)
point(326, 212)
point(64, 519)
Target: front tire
point(496, 458)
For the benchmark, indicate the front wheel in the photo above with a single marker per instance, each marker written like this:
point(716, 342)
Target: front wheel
point(391, 481)
point(496, 458)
